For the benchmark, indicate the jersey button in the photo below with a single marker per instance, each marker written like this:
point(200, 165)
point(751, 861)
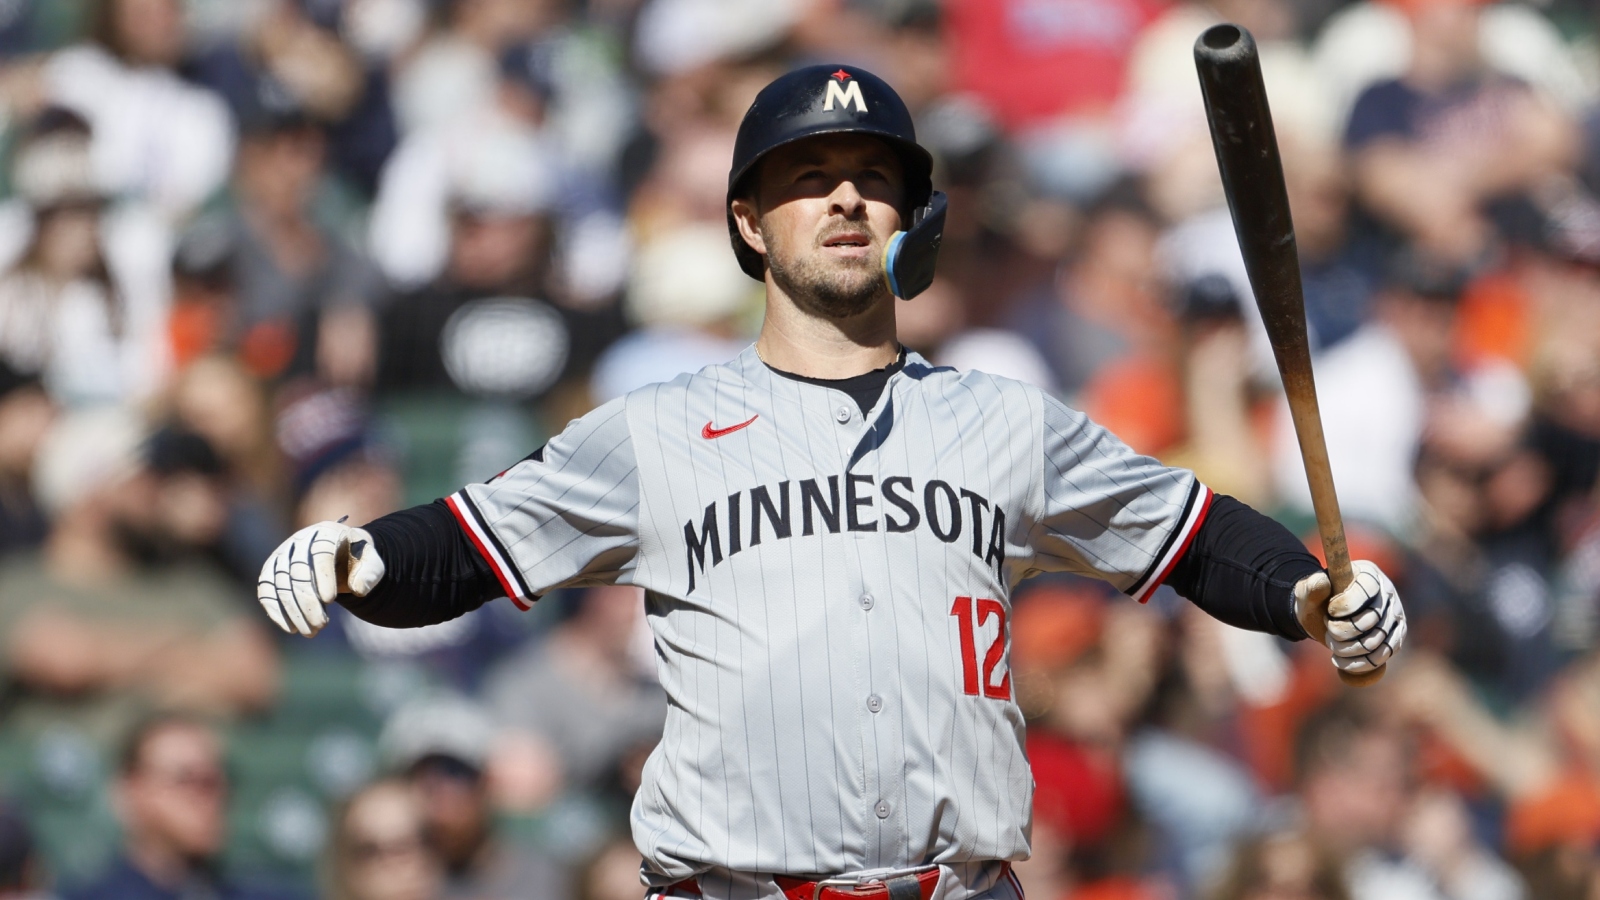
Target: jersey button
point(866, 601)
point(842, 414)
point(875, 703)
point(882, 809)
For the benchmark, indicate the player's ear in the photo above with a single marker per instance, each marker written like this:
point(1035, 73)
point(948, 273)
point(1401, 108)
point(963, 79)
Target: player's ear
point(748, 219)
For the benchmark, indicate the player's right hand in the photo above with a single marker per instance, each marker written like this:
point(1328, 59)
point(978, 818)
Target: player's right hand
point(1365, 623)
point(311, 568)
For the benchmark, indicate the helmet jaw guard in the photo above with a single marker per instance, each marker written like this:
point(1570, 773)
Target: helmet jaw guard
point(909, 259)
point(832, 99)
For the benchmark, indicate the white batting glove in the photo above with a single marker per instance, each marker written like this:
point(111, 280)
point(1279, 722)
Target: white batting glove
point(302, 575)
point(1366, 623)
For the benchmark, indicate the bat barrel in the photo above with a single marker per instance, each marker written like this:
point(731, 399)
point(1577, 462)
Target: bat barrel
point(1252, 176)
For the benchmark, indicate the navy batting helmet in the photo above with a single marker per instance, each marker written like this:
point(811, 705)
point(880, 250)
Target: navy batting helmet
point(830, 99)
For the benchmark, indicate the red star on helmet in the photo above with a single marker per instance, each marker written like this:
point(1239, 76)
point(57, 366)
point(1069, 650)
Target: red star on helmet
point(841, 74)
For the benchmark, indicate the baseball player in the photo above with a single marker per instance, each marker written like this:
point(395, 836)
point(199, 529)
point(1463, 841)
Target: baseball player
point(828, 530)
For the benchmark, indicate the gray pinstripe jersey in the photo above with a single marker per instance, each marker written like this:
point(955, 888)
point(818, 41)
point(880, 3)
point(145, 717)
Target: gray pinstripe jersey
point(829, 595)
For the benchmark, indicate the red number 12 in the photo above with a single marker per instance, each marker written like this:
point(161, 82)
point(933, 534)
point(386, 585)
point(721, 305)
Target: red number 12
point(970, 681)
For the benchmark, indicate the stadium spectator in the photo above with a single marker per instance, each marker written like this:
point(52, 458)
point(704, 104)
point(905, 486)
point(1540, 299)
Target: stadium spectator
point(1163, 132)
point(215, 399)
point(455, 71)
point(81, 308)
point(116, 612)
point(1340, 265)
point(291, 55)
point(1198, 798)
point(379, 849)
point(304, 296)
point(495, 147)
point(673, 38)
point(1220, 442)
point(1387, 376)
point(688, 300)
point(156, 137)
point(200, 509)
point(1396, 840)
point(498, 278)
point(442, 748)
point(1432, 148)
point(1104, 307)
point(171, 797)
point(1281, 866)
point(1369, 41)
point(992, 350)
point(283, 59)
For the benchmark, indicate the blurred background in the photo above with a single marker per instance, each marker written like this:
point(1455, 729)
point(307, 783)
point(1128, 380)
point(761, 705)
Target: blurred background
point(267, 262)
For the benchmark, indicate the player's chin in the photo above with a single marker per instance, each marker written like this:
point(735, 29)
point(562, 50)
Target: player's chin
point(857, 286)
point(837, 287)
point(840, 298)
point(854, 273)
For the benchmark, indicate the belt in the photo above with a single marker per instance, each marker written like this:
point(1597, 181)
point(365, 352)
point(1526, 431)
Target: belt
point(911, 885)
point(915, 884)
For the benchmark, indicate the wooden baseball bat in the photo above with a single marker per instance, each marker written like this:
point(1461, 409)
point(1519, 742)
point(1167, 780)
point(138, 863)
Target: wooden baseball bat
point(1252, 177)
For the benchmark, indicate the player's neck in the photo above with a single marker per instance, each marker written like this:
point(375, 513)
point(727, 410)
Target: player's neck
point(818, 347)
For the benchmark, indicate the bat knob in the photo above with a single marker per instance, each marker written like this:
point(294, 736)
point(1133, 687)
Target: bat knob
point(1225, 45)
point(1222, 37)
point(1363, 679)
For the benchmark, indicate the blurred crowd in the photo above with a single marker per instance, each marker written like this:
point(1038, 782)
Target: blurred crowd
point(269, 262)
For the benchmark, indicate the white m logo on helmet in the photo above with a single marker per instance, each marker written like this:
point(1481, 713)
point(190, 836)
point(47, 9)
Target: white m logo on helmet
point(847, 95)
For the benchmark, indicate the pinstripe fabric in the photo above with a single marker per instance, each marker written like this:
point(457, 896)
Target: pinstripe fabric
point(802, 578)
point(568, 519)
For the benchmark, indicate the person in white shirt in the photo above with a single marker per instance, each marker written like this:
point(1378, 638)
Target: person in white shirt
point(156, 137)
point(74, 310)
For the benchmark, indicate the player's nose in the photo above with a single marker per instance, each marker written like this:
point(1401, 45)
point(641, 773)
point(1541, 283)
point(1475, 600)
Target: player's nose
point(846, 200)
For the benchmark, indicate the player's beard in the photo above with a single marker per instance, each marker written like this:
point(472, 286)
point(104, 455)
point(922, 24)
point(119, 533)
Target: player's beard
point(824, 285)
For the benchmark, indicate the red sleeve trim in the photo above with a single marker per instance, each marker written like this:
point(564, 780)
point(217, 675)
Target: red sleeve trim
point(499, 566)
point(1191, 527)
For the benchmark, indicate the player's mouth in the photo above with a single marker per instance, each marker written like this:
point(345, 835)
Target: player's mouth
point(848, 244)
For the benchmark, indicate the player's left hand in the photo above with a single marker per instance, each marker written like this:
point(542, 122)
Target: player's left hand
point(1365, 622)
point(311, 568)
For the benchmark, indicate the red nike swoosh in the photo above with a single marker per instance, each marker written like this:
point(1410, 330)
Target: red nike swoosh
point(710, 433)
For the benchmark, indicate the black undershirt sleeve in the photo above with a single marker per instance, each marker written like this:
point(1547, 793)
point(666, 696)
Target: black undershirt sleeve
point(432, 573)
point(1242, 567)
